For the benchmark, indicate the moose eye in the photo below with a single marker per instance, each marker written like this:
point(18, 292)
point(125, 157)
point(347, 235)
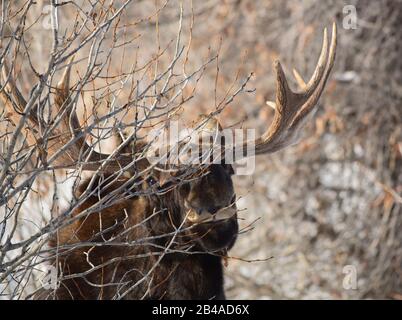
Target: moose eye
point(151, 181)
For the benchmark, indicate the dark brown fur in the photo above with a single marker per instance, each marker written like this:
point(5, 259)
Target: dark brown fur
point(191, 270)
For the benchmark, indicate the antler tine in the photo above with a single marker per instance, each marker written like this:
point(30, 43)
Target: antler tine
point(293, 108)
point(313, 97)
point(283, 92)
point(70, 125)
point(14, 102)
point(11, 87)
point(318, 72)
point(63, 85)
point(302, 84)
point(62, 100)
point(66, 132)
point(320, 68)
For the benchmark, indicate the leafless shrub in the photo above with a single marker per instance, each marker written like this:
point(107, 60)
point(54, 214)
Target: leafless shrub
point(121, 93)
point(338, 204)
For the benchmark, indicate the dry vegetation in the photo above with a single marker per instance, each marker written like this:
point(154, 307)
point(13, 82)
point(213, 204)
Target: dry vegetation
point(331, 201)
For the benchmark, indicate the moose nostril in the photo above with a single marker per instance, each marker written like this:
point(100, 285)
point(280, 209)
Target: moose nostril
point(213, 210)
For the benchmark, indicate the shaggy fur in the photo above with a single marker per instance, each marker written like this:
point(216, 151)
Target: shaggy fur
point(132, 262)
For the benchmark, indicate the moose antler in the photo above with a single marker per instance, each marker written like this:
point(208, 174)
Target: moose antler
point(293, 108)
point(67, 139)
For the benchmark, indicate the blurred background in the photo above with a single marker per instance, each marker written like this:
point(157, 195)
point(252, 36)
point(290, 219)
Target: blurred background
point(326, 212)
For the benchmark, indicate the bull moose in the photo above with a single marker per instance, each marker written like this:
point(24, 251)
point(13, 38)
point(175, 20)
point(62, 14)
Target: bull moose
point(139, 231)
